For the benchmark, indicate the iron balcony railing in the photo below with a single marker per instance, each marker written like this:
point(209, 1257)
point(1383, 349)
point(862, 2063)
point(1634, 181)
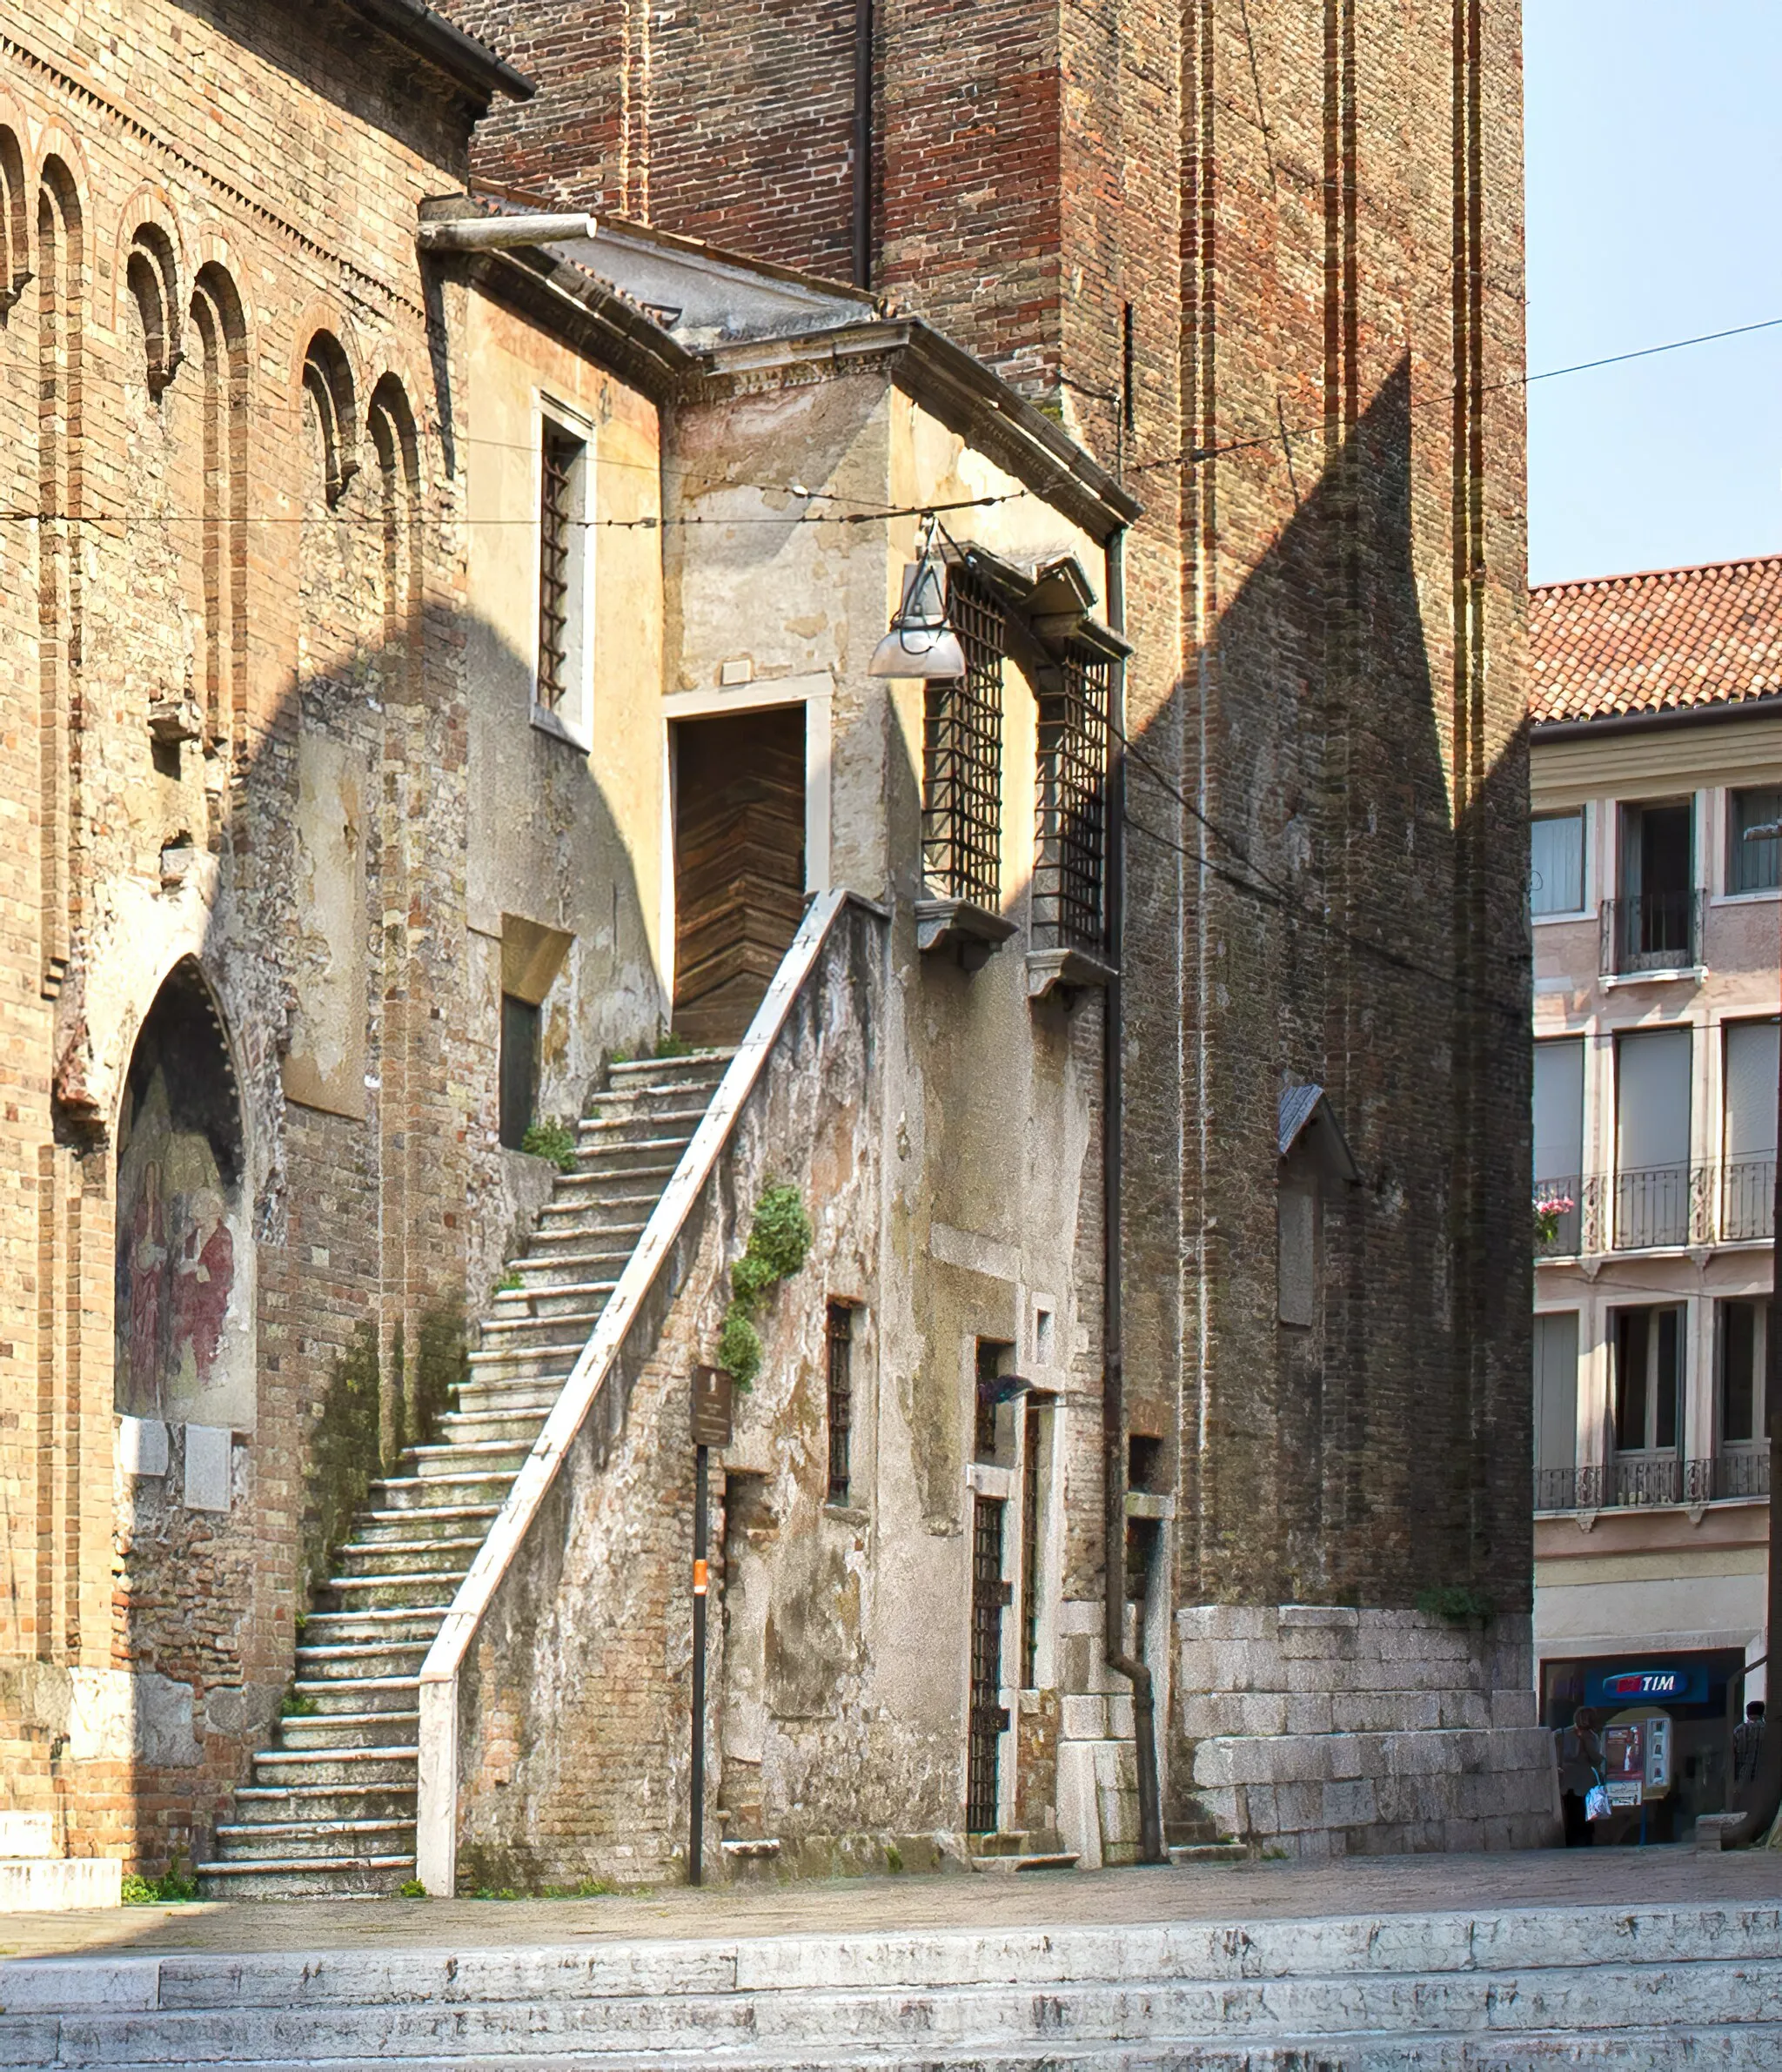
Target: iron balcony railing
point(1648, 1208)
point(1641, 1480)
point(1651, 931)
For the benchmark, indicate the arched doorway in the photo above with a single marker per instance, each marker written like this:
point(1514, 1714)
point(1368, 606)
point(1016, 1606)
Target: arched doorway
point(184, 1260)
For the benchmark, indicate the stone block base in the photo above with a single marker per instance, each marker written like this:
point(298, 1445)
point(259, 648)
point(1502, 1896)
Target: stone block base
point(54, 1884)
point(1323, 1731)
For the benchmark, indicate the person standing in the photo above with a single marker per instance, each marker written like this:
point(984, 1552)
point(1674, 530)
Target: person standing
point(1580, 1768)
point(1747, 1744)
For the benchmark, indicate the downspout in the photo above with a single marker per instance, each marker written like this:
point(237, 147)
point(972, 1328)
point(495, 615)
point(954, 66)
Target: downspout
point(862, 144)
point(1144, 1724)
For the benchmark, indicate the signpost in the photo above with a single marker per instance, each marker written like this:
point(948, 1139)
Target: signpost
point(711, 1427)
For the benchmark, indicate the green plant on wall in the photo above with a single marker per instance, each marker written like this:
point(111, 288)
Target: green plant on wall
point(554, 1141)
point(779, 1243)
point(1454, 1604)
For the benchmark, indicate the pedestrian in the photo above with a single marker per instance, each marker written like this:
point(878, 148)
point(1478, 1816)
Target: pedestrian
point(1747, 1743)
point(1580, 1768)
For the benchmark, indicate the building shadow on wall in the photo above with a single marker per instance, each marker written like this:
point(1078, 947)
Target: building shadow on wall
point(1364, 919)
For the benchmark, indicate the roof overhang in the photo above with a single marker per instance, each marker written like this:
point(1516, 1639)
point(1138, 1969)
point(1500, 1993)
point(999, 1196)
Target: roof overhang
point(1307, 1127)
point(1604, 724)
point(471, 64)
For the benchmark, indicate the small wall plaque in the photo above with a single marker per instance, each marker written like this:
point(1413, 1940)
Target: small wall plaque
point(711, 1406)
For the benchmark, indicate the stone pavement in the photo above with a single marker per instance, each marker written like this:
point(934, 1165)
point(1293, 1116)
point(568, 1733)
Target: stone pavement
point(1285, 1891)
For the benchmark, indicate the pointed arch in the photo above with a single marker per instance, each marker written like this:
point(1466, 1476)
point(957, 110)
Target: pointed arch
point(390, 424)
point(221, 329)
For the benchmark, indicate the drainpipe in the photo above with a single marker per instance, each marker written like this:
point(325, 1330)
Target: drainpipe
point(1144, 1724)
point(862, 144)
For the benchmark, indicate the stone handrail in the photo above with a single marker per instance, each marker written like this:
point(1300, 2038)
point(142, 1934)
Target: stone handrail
point(436, 1812)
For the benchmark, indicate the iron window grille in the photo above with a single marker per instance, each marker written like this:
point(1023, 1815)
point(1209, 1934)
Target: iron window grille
point(989, 1594)
point(556, 515)
point(1071, 839)
point(840, 1378)
point(963, 756)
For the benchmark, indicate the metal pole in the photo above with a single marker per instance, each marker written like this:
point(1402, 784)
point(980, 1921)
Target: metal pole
point(696, 1837)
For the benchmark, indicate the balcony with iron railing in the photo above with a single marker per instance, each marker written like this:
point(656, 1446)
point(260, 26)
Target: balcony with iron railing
point(1646, 1481)
point(1656, 1208)
point(1651, 932)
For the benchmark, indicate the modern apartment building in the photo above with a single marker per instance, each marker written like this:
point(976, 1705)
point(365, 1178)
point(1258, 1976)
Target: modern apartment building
point(1657, 749)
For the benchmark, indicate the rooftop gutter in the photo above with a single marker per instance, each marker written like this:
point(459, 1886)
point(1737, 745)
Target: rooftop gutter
point(459, 57)
point(1542, 731)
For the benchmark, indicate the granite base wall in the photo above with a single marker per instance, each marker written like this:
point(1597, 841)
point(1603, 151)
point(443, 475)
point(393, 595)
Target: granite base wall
point(1318, 1730)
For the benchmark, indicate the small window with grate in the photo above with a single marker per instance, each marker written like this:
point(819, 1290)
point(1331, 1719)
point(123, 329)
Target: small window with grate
point(562, 561)
point(963, 756)
point(1071, 839)
point(840, 1361)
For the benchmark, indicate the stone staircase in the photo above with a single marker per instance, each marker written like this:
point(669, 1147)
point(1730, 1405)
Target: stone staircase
point(330, 1810)
point(1635, 1988)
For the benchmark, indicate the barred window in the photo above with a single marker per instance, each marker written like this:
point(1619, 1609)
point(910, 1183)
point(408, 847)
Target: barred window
point(963, 756)
point(559, 500)
point(1071, 839)
point(840, 1351)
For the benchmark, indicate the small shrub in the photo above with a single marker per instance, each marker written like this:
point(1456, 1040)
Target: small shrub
point(1454, 1604)
point(174, 1888)
point(893, 1858)
point(489, 1892)
point(554, 1141)
point(510, 1283)
point(780, 1240)
point(670, 1045)
point(411, 1888)
point(299, 1705)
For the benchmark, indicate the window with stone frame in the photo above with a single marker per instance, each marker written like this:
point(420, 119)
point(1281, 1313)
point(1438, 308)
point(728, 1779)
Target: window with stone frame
point(562, 563)
point(963, 756)
point(1070, 851)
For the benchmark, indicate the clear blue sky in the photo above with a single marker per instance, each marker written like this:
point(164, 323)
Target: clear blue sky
point(1654, 146)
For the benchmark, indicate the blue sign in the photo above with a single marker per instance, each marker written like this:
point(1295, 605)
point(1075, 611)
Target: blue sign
point(1618, 1687)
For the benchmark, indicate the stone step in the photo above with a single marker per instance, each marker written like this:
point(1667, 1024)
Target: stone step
point(378, 1626)
point(399, 1528)
point(503, 1362)
point(582, 1251)
point(366, 1659)
point(435, 1462)
point(358, 1693)
point(588, 1213)
point(567, 1327)
point(238, 1842)
point(321, 1767)
point(281, 1878)
point(326, 1802)
point(521, 1393)
point(710, 1059)
point(523, 1422)
point(1184, 1853)
point(638, 1164)
point(554, 1303)
point(422, 1493)
point(347, 1730)
point(409, 1557)
point(413, 1593)
point(648, 1122)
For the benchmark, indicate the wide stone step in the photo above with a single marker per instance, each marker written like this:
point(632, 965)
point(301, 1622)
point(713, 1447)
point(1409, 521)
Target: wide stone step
point(646, 1122)
point(359, 1694)
point(237, 1841)
point(438, 1462)
point(397, 1528)
point(580, 1257)
point(422, 1493)
point(551, 1328)
point(380, 1626)
point(638, 1163)
point(365, 1556)
point(279, 1878)
point(347, 1730)
point(320, 1767)
point(359, 1660)
point(417, 1593)
point(555, 1301)
point(325, 1802)
point(549, 1366)
point(524, 1425)
point(590, 1213)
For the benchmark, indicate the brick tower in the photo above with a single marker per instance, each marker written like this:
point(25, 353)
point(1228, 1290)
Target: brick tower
point(1266, 263)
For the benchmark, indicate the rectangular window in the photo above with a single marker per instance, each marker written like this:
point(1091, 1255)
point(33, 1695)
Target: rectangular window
point(1748, 1174)
point(519, 1069)
point(1651, 1147)
point(1655, 914)
point(1743, 1334)
point(1752, 866)
point(963, 757)
point(1559, 1173)
point(987, 1721)
point(1556, 862)
point(841, 1352)
point(1033, 1484)
point(1556, 1409)
point(1070, 848)
point(1648, 1378)
point(994, 1357)
point(562, 543)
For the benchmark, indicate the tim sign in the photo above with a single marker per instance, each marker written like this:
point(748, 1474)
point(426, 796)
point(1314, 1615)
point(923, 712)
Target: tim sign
point(1652, 1687)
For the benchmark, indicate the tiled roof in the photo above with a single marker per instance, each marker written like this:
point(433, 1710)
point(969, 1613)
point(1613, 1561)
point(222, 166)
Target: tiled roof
point(1656, 642)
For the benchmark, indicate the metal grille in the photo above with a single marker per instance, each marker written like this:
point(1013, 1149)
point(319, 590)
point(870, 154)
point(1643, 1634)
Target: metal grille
point(841, 1340)
point(1071, 844)
point(560, 455)
point(1031, 1553)
point(988, 1595)
point(963, 757)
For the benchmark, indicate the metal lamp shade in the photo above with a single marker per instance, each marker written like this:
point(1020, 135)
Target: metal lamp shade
point(926, 652)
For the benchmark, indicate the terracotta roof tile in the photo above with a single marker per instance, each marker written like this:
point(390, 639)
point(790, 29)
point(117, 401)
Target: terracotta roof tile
point(1656, 642)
